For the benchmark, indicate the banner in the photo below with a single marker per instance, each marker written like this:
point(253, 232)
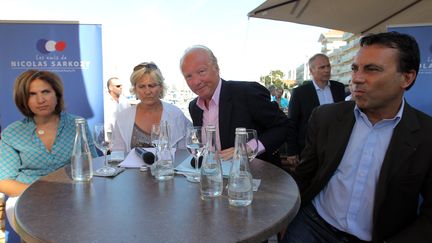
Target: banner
point(71, 50)
point(419, 94)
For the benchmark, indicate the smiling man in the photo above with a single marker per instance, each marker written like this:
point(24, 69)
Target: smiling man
point(232, 104)
point(366, 170)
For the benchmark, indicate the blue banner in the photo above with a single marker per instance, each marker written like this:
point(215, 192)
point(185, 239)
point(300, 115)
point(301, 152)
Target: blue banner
point(71, 50)
point(419, 95)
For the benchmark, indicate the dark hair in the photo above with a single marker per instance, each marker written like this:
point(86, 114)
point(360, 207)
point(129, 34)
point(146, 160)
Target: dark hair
point(21, 92)
point(409, 54)
point(108, 83)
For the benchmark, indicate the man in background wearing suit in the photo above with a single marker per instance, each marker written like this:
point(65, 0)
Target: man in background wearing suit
point(232, 104)
point(366, 171)
point(306, 97)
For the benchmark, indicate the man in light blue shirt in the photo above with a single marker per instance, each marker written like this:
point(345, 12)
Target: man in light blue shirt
point(368, 162)
point(320, 91)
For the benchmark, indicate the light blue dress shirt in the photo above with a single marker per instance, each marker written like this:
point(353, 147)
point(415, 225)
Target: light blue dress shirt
point(324, 95)
point(23, 156)
point(347, 201)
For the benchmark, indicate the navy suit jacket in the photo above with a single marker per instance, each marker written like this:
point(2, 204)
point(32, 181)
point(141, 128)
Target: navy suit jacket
point(247, 104)
point(406, 171)
point(303, 100)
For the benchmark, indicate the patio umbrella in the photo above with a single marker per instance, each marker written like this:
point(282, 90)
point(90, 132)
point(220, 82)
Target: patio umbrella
point(355, 16)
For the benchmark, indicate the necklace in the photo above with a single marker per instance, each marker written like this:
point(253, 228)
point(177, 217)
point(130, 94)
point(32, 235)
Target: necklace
point(40, 132)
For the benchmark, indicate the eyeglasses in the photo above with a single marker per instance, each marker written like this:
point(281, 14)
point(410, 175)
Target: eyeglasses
point(147, 65)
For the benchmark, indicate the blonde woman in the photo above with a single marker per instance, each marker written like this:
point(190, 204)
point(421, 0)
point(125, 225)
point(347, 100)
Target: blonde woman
point(133, 125)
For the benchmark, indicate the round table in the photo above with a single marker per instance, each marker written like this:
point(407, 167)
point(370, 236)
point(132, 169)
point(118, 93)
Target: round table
point(135, 207)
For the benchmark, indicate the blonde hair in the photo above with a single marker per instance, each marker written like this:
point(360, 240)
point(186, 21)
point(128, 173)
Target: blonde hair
point(147, 68)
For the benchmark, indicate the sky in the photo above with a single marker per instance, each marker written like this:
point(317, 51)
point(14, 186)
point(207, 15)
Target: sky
point(134, 31)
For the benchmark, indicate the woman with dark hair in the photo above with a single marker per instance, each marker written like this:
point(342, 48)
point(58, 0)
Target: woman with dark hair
point(40, 143)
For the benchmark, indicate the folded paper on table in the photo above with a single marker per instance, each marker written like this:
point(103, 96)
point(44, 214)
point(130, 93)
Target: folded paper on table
point(185, 166)
point(116, 156)
point(116, 172)
point(133, 161)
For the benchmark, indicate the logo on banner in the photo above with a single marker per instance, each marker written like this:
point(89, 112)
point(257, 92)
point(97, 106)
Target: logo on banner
point(426, 66)
point(47, 46)
point(51, 57)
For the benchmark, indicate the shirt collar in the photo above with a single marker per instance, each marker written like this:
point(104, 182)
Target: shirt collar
point(317, 87)
point(358, 114)
point(214, 99)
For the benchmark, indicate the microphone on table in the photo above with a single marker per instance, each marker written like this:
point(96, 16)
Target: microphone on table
point(146, 156)
point(200, 159)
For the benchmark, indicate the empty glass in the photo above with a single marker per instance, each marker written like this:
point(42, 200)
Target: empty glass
point(155, 131)
point(195, 146)
point(103, 144)
point(252, 143)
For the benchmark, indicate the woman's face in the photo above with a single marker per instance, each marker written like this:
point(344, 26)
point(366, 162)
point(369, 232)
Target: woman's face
point(42, 99)
point(148, 90)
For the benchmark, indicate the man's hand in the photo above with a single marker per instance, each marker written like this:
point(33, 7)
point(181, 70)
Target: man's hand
point(226, 154)
point(291, 162)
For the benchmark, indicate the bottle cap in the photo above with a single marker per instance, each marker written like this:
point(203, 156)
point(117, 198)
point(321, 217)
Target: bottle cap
point(79, 120)
point(240, 130)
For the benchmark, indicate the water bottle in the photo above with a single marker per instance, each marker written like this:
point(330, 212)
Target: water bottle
point(81, 159)
point(211, 180)
point(163, 168)
point(240, 191)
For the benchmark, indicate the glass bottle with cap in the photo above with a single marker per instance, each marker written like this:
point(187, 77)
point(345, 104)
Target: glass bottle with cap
point(81, 159)
point(211, 180)
point(163, 168)
point(240, 191)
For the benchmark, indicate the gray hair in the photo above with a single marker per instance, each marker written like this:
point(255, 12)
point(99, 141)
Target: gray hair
point(207, 50)
point(312, 59)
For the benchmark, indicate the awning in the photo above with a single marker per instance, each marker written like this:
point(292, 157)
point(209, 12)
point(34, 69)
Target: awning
point(355, 16)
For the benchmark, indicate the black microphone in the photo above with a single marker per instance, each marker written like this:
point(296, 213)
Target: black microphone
point(146, 156)
point(200, 159)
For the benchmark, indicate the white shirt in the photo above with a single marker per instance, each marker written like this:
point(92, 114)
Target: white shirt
point(111, 109)
point(177, 122)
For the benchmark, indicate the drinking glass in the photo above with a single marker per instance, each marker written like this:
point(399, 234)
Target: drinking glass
point(195, 146)
point(155, 131)
point(252, 138)
point(103, 144)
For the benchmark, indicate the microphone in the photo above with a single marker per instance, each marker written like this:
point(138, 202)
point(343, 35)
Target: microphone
point(200, 159)
point(146, 156)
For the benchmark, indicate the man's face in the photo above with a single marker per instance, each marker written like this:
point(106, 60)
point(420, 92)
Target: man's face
point(201, 75)
point(376, 83)
point(320, 69)
point(116, 87)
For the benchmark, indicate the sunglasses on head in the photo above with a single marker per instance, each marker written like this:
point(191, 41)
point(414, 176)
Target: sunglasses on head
point(147, 65)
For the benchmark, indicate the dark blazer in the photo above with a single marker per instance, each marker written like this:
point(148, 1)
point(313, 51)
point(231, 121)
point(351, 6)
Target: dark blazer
point(247, 104)
point(303, 100)
point(405, 174)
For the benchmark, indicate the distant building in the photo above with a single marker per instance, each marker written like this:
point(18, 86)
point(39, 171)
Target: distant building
point(342, 58)
point(340, 47)
point(331, 41)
